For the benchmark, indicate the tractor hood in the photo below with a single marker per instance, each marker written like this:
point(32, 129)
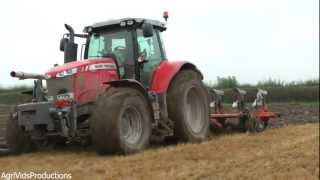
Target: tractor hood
point(81, 66)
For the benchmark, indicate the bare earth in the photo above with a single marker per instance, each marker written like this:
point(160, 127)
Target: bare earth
point(290, 152)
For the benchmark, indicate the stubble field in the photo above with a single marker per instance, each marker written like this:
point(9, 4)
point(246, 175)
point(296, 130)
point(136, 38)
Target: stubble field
point(289, 152)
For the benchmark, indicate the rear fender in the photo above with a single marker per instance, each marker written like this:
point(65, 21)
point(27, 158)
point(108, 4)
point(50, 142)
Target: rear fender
point(165, 73)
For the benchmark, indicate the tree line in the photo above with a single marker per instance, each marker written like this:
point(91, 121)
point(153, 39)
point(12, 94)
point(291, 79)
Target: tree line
point(232, 82)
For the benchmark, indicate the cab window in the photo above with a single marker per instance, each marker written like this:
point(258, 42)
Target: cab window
point(117, 43)
point(149, 47)
point(149, 50)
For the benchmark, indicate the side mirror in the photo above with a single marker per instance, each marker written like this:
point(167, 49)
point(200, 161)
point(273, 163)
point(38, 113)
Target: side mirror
point(68, 46)
point(70, 51)
point(147, 30)
point(63, 41)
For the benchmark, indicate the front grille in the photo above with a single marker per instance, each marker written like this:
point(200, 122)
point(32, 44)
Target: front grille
point(60, 85)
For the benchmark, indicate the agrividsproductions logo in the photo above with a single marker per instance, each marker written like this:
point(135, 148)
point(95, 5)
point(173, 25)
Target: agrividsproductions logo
point(35, 175)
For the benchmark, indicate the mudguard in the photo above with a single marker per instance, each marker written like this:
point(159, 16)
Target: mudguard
point(165, 73)
point(128, 83)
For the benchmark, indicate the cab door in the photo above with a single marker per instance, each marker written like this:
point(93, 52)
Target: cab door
point(148, 51)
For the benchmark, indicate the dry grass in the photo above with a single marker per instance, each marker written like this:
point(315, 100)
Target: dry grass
point(287, 153)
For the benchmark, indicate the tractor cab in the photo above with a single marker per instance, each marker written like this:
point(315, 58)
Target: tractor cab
point(134, 44)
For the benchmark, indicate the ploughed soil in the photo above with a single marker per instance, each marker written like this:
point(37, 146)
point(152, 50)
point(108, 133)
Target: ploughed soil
point(290, 152)
point(290, 113)
point(295, 113)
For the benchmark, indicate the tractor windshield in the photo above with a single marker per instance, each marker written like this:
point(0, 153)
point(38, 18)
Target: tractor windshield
point(115, 43)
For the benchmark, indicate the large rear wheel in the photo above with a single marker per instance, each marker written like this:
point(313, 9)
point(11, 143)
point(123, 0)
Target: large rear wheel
point(121, 122)
point(188, 107)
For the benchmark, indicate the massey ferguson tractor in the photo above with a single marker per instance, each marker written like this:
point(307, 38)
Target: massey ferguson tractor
point(122, 92)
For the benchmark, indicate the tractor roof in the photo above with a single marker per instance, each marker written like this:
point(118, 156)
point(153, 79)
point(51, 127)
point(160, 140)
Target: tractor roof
point(116, 23)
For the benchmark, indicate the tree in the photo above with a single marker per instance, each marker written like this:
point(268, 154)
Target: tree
point(228, 82)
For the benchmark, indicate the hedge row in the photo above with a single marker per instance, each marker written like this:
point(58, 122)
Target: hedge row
point(13, 98)
point(275, 94)
point(278, 94)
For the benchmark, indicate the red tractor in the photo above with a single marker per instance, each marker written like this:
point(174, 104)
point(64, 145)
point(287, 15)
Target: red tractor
point(123, 92)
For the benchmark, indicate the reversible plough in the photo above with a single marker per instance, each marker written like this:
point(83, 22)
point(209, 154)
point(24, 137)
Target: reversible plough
point(253, 119)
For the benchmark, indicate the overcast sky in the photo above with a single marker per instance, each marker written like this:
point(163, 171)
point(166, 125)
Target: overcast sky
point(250, 39)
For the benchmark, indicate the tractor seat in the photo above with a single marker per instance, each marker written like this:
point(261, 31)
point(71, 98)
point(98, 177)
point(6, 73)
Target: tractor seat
point(240, 91)
point(218, 92)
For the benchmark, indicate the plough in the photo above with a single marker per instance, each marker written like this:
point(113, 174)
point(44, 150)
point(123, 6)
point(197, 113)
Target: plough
point(255, 119)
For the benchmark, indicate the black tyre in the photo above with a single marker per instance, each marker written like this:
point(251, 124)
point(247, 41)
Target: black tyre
point(59, 143)
point(260, 125)
point(188, 107)
point(121, 122)
point(257, 125)
point(17, 139)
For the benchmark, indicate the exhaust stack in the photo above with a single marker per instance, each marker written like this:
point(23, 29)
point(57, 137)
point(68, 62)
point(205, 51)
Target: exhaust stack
point(22, 75)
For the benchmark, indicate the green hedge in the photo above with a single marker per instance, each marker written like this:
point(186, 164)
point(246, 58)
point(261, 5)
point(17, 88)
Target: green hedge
point(280, 94)
point(275, 94)
point(13, 95)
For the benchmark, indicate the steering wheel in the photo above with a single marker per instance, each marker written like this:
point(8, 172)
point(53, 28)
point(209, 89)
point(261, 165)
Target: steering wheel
point(119, 48)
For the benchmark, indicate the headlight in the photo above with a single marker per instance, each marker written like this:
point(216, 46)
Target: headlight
point(67, 72)
point(47, 76)
point(66, 96)
point(50, 98)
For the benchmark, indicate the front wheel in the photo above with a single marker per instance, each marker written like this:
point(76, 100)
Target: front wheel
point(121, 122)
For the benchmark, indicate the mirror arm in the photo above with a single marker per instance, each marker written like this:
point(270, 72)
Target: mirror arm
point(81, 35)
